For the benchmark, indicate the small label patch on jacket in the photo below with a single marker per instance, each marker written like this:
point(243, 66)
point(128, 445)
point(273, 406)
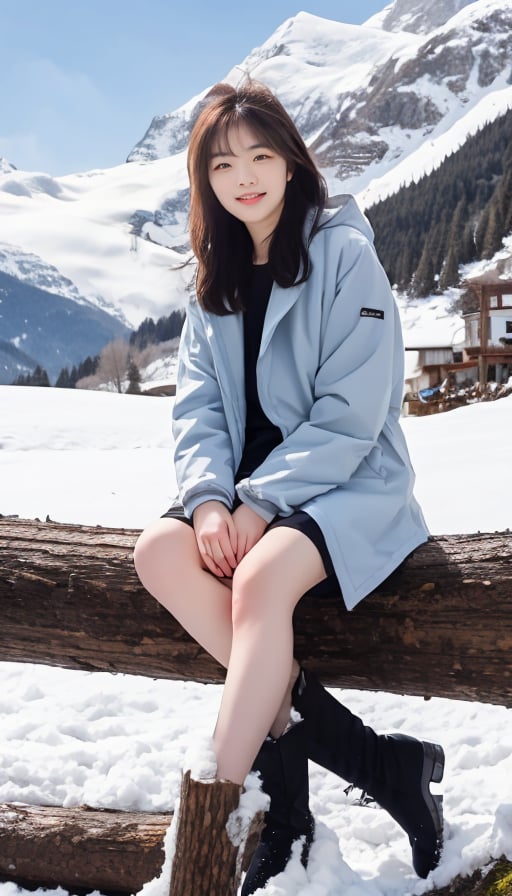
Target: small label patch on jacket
point(372, 312)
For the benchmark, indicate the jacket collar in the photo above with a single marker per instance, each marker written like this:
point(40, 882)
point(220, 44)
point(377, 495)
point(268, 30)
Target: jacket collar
point(281, 300)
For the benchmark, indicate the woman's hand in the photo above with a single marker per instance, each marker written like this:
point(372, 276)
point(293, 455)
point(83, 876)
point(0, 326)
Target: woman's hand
point(216, 537)
point(249, 526)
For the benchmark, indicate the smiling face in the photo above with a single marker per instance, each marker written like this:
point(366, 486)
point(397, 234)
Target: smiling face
point(249, 180)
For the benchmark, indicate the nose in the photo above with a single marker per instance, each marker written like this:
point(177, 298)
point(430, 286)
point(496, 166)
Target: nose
point(246, 175)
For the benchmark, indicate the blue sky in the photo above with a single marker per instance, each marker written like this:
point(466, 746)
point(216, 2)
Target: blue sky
point(81, 81)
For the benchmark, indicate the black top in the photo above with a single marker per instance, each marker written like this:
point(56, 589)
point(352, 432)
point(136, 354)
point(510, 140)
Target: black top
point(261, 436)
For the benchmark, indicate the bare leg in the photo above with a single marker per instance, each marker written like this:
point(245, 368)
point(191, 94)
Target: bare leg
point(267, 585)
point(169, 566)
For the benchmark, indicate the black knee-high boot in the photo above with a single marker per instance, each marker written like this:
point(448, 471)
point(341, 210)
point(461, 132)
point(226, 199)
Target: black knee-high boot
point(396, 770)
point(283, 766)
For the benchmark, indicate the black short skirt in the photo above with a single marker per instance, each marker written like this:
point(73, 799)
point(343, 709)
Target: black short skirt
point(304, 523)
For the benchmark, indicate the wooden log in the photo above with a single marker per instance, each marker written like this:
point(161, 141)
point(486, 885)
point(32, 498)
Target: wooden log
point(209, 856)
point(125, 845)
point(442, 626)
point(89, 849)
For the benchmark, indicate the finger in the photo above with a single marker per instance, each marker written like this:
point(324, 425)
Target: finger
point(212, 566)
point(206, 552)
point(226, 547)
point(221, 561)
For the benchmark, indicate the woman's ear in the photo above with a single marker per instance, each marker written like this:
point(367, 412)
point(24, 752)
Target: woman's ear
point(289, 176)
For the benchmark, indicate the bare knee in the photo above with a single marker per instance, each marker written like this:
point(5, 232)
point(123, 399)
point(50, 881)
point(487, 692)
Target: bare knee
point(145, 547)
point(254, 598)
point(161, 550)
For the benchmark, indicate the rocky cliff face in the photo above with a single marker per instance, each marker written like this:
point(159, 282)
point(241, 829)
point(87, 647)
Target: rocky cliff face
point(449, 70)
point(420, 17)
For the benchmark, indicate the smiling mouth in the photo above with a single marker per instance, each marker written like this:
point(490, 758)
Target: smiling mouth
point(249, 198)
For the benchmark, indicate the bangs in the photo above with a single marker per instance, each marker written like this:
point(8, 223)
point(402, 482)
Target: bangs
point(220, 242)
point(217, 141)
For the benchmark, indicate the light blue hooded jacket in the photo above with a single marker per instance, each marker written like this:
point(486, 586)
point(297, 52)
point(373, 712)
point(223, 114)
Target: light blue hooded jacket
point(330, 376)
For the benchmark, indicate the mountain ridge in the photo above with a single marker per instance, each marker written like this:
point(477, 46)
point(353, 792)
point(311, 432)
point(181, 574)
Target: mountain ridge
point(408, 15)
point(61, 331)
point(397, 107)
point(399, 88)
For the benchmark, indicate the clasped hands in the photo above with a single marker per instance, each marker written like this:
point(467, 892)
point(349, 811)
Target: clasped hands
point(224, 538)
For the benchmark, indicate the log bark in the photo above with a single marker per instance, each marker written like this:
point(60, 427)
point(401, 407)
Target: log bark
point(208, 859)
point(441, 626)
point(83, 848)
point(123, 844)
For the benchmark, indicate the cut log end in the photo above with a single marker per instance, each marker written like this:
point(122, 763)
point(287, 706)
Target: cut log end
point(210, 845)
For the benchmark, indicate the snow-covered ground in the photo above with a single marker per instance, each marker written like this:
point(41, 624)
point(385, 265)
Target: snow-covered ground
point(68, 738)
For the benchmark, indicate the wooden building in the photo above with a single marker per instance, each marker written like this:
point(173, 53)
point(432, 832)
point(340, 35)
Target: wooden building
point(432, 350)
point(489, 331)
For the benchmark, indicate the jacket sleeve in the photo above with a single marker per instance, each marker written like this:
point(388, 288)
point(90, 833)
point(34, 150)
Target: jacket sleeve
point(203, 451)
point(352, 391)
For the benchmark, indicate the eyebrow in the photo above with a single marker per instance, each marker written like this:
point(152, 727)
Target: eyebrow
point(228, 152)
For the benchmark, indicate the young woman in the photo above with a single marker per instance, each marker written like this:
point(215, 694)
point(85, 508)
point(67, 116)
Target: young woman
point(292, 468)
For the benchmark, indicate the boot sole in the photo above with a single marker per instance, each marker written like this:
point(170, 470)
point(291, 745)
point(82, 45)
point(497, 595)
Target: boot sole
point(432, 773)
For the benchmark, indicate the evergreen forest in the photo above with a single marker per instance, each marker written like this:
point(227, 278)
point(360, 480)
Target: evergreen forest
point(148, 333)
point(457, 214)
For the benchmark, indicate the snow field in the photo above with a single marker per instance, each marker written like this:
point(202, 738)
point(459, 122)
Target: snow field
point(68, 738)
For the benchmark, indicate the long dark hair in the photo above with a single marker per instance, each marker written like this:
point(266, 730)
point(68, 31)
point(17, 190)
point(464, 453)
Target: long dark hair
point(220, 242)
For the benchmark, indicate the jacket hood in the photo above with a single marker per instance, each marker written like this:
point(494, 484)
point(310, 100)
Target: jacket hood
point(343, 211)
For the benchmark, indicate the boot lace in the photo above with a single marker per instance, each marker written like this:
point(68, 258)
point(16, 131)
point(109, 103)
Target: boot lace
point(365, 799)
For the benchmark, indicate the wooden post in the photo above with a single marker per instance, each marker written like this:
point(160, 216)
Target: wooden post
point(484, 336)
point(210, 849)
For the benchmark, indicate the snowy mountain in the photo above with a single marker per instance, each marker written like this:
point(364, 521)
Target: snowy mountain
point(366, 97)
point(5, 166)
point(29, 268)
point(419, 18)
point(44, 319)
point(83, 229)
point(40, 326)
point(378, 104)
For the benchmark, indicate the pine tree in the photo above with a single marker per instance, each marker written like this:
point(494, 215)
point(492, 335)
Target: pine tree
point(452, 204)
point(63, 380)
point(493, 236)
point(133, 378)
point(424, 282)
point(481, 229)
point(38, 377)
point(450, 270)
point(88, 367)
point(506, 197)
point(467, 248)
